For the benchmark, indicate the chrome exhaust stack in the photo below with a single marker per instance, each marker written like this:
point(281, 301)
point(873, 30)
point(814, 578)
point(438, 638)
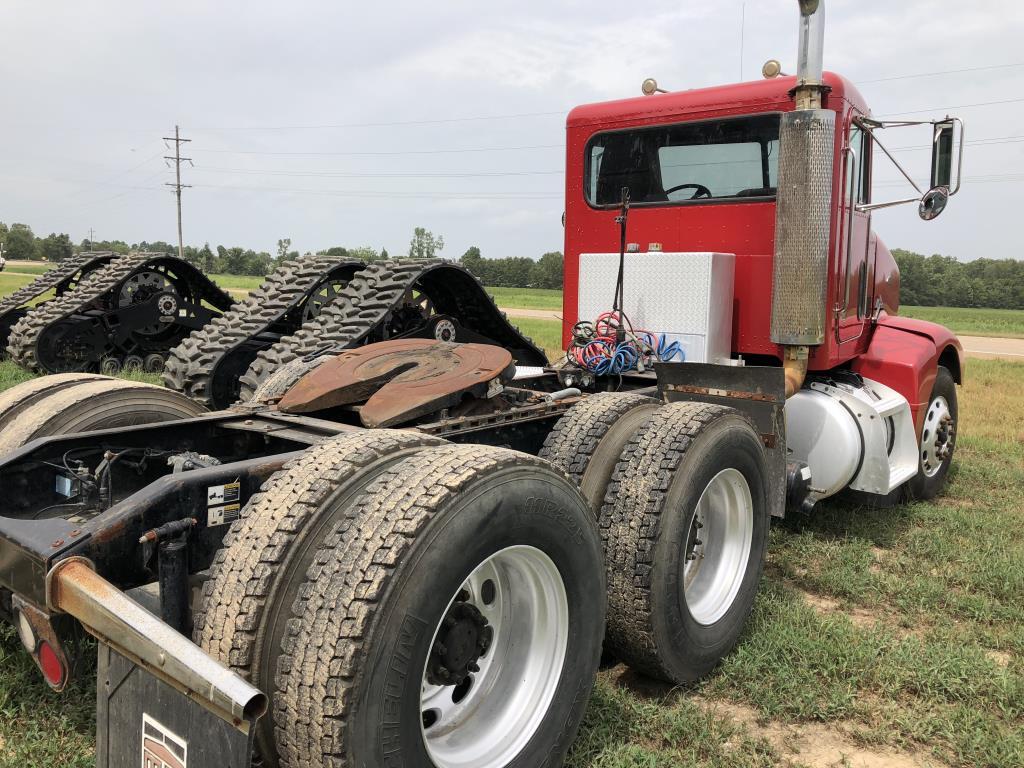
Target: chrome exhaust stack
point(803, 208)
point(810, 53)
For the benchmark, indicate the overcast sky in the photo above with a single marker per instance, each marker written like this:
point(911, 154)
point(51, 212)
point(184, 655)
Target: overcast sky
point(342, 123)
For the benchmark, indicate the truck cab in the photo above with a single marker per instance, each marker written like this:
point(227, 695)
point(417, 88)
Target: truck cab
point(702, 170)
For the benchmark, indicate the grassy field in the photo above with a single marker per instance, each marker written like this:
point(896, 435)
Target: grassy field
point(1008, 323)
point(881, 637)
point(527, 298)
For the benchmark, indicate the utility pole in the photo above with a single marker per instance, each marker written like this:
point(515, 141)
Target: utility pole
point(178, 141)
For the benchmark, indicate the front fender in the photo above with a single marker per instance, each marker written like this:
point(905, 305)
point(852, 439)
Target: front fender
point(905, 354)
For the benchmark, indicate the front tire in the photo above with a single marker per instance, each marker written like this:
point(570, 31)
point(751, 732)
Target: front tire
point(394, 617)
point(938, 439)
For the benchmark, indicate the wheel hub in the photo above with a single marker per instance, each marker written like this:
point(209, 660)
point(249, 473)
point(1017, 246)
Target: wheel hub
point(937, 437)
point(465, 636)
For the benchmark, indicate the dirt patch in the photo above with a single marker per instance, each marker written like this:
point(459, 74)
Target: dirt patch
point(1002, 658)
point(861, 617)
point(816, 745)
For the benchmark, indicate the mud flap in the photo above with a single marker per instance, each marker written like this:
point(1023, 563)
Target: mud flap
point(142, 722)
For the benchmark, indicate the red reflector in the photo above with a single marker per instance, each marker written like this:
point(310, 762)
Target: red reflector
point(50, 664)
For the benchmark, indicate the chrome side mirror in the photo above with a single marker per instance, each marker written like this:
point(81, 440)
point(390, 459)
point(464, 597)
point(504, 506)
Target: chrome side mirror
point(933, 202)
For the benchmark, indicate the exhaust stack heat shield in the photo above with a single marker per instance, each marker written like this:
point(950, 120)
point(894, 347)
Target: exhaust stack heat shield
point(802, 220)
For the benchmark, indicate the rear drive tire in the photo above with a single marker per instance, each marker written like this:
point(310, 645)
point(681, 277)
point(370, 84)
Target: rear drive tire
point(256, 576)
point(587, 441)
point(364, 678)
point(67, 403)
point(685, 527)
point(938, 439)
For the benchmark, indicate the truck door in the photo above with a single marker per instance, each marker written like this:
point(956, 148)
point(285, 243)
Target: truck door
point(853, 299)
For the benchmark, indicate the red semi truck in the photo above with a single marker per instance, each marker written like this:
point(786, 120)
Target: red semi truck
point(409, 546)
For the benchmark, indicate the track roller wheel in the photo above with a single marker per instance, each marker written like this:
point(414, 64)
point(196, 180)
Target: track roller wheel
point(154, 363)
point(133, 362)
point(452, 618)
point(68, 403)
point(685, 527)
point(256, 577)
point(110, 366)
point(587, 441)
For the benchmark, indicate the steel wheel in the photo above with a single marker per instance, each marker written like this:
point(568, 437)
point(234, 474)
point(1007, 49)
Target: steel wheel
point(496, 659)
point(718, 546)
point(937, 436)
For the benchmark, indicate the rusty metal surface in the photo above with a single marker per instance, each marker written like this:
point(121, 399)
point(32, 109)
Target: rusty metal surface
point(399, 380)
point(110, 615)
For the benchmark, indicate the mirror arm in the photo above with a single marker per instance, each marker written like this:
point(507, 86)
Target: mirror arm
point(895, 162)
point(865, 207)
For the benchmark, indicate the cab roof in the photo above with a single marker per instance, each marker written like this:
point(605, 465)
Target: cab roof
point(734, 99)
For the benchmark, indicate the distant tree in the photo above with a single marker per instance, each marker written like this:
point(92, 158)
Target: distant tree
point(56, 247)
point(547, 272)
point(206, 258)
point(335, 251)
point(283, 246)
point(364, 253)
point(20, 243)
point(160, 246)
point(383, 253)
point(425, 244)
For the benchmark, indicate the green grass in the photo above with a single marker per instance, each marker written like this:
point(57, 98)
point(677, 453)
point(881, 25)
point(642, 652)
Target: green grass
point(1008, 323)
point(527, 298)
point(28, 267)
point(878, 632)
point(10, 282)
point(546, 334)
point(237, 282)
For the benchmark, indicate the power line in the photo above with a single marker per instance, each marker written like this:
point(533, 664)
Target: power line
point(936, 74)
point(388, 153)
point(954, 106)
point(385, 194)
point(178, 141)
point(386, 124)
point(340, 174)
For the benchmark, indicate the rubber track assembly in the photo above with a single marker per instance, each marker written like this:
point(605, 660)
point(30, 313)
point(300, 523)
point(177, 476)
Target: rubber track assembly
point(207, 365)
point(61, 278)
point(133, 310)
point(393, 299)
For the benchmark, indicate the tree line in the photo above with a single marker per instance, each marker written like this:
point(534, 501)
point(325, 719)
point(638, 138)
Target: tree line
point(925, 280)
point(942, 281)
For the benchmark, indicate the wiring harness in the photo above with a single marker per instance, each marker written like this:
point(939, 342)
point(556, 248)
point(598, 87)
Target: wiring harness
point(610, 345)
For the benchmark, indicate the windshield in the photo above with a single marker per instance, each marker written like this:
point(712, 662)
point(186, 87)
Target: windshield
point(734, 158)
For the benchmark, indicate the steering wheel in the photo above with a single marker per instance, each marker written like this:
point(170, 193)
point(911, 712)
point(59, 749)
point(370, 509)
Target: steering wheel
point(700, 191)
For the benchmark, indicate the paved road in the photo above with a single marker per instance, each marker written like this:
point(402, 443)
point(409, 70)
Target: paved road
point(983, 347)
point(993, 348)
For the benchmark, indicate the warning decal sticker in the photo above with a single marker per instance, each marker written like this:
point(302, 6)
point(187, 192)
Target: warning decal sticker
point(222, 515)
point(223, 494)
point(161, 748)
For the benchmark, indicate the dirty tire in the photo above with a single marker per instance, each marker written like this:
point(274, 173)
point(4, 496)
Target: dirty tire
point(256, 576)
point(921, 486)
point(587, 441)
point(646, 527)
point(69, 403)
point(355, 657)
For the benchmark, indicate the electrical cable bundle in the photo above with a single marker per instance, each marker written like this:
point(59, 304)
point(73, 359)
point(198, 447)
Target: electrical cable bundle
point(611, 346)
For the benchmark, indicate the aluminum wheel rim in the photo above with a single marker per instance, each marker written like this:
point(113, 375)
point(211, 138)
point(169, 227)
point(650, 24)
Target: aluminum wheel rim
point(718, 547)
point(509, 696)
point(937, 436)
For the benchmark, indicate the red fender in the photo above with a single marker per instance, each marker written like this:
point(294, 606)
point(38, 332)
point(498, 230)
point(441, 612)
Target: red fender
point(904, 354)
